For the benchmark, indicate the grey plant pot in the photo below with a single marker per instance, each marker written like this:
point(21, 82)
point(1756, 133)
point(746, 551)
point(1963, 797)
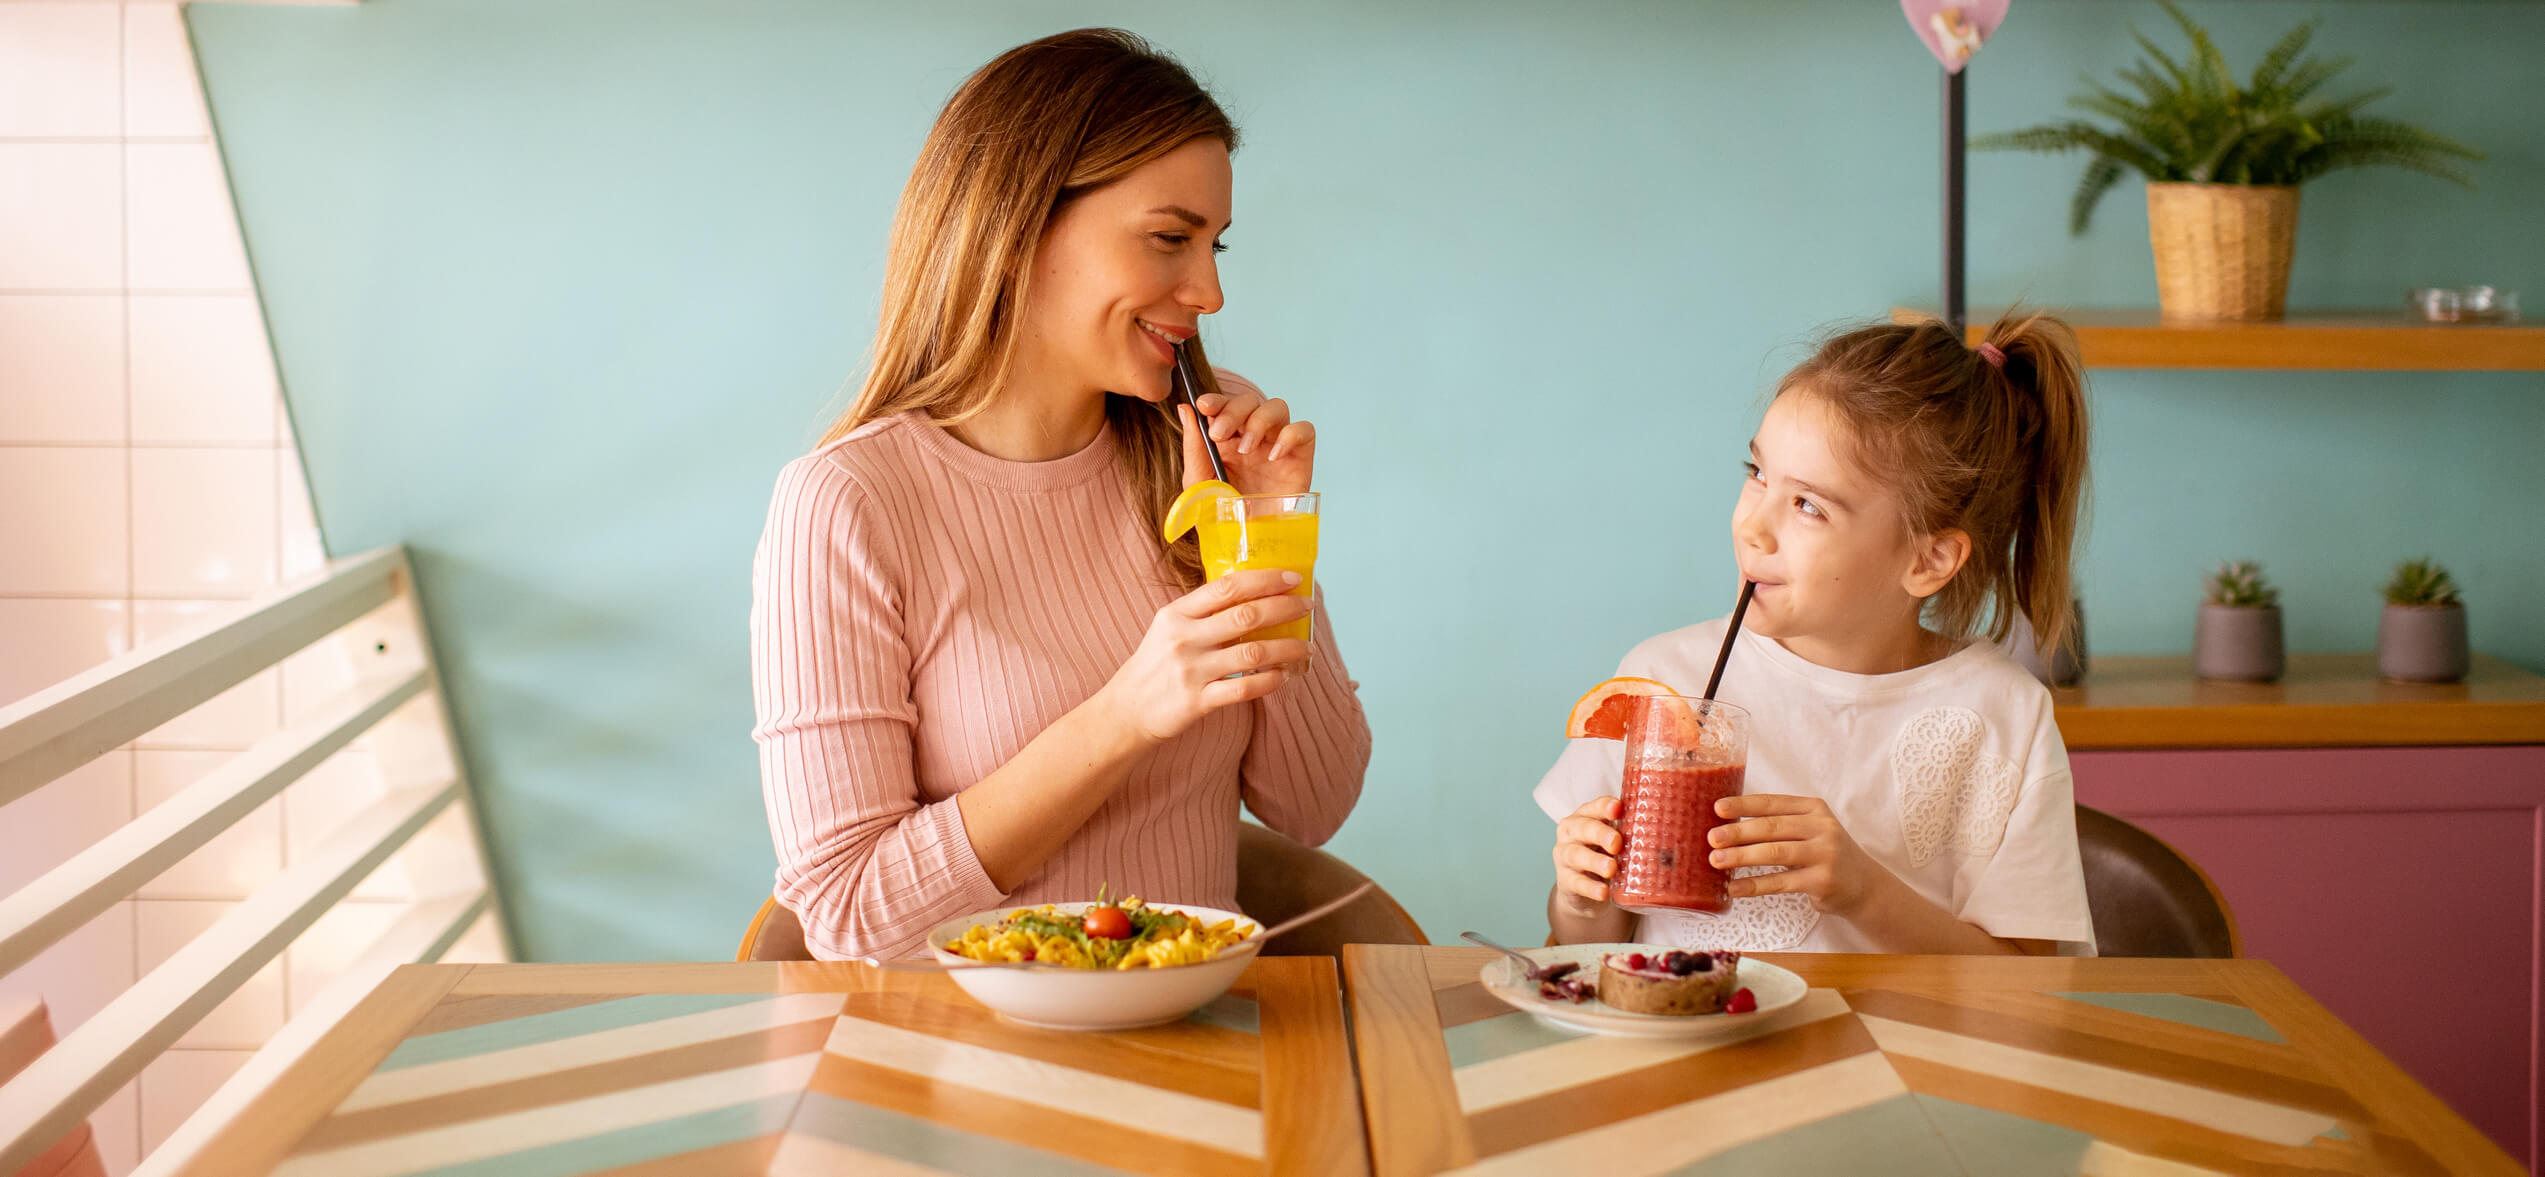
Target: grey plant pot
point(2238, 643)
point(2423, 643)
point(2062, 668)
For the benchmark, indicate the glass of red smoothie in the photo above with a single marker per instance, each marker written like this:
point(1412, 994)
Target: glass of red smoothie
point(1682, 756)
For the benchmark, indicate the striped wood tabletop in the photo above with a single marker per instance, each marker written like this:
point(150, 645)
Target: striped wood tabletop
point(700, 1070)
point(1900, 1065)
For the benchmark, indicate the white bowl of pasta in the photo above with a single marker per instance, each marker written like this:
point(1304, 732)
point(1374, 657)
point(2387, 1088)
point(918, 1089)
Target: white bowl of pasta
point(1046, 969)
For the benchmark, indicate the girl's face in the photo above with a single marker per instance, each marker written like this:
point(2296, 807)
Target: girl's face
point(1836, 566)
point(1125, 272)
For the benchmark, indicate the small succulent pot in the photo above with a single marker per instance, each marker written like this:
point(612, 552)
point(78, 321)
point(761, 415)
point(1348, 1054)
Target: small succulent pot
point(2423, 643)
point(2063, 667)
point(2238, 643)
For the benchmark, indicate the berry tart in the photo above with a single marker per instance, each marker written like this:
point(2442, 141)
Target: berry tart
point(1672, 983)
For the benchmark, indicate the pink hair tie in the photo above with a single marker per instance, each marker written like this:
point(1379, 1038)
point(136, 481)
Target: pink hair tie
point(1995, 357)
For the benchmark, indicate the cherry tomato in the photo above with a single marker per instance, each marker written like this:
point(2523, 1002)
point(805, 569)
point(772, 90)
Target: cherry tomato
point(1108, 923)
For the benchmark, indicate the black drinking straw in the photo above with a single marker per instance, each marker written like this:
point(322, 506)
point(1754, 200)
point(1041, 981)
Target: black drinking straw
point(1184, 383)
point(1729, 632)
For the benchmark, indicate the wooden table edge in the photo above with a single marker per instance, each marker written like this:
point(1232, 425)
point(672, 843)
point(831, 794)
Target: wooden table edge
point(2187, 976)
point(1408, 1079)
point(1308, 1071)
point(773, 977)
point(2375, 1080)
point(265, 1130)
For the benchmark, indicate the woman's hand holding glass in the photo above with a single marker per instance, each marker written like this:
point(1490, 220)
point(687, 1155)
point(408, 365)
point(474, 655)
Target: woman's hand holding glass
point(1192, 661)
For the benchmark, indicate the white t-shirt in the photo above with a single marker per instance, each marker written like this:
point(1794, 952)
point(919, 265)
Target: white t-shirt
point(1952, 775)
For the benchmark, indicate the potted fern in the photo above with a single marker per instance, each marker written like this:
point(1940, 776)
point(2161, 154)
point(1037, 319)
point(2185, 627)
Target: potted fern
point(2238, 635)
point(2421, 636)
point(2224, 160)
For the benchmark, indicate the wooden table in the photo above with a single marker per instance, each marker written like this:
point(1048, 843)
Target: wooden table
point(1900, 1065)
point(700, 1070)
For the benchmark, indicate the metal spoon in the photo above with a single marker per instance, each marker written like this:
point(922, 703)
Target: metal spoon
point(921, 964)
point(1533, 970)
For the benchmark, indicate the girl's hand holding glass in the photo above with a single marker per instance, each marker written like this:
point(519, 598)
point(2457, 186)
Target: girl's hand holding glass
point(1803, 836)
point(1586, 848)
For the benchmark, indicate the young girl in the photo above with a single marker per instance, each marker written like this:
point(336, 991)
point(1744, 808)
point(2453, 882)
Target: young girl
point(1906, 789)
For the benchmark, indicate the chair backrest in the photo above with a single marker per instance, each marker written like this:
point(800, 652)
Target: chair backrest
point(774, 934)
point(1276, 878)
point(2147, 898)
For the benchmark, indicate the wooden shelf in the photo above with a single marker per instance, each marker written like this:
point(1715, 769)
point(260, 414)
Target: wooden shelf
point(2355, 340)
point(2325, 701)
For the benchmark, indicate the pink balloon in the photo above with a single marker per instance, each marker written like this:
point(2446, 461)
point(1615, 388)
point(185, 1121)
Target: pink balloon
point(1954, 29)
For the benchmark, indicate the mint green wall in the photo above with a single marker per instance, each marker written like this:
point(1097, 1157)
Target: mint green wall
point(557, 285)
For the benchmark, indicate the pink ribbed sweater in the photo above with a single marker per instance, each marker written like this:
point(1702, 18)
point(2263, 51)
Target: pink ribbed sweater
point(920, 611)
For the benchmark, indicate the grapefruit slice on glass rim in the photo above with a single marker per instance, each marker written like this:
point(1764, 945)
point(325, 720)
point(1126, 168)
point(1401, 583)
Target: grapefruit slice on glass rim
point(1601, 712)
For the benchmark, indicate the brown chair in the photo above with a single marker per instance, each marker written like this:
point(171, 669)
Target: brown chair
point(1276, 878)
point(2147, 898)
point(774, 934)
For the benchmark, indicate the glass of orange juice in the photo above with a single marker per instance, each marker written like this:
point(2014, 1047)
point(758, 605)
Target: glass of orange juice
point(1242, 532)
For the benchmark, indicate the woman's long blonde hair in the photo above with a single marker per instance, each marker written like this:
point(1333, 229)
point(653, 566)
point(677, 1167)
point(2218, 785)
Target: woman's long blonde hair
point(1045, 123)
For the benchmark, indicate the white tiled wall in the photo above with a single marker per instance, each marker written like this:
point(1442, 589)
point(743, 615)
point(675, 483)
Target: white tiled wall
point(146, 482)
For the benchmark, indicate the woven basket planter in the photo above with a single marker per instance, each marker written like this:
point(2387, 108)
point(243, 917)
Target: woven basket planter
point(2222, 250)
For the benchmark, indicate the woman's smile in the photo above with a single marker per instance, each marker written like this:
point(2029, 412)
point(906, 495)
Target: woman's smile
point(1163, 340)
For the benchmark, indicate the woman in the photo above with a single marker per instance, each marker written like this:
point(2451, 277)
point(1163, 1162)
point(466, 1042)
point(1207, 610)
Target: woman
point(980, 678)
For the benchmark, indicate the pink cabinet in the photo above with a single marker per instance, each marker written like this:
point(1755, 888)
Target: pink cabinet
point(2402, 887)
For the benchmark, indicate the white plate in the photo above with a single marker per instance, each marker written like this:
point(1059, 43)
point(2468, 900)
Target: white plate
point(1097, 999)
point(1774, 987)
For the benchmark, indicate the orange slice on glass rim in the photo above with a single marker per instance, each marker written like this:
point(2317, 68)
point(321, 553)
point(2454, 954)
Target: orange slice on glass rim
point(1187, 511)
point(1600, 714)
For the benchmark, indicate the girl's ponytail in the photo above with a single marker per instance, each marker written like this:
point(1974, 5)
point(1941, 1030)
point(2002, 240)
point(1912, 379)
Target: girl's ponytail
point(2041, 369)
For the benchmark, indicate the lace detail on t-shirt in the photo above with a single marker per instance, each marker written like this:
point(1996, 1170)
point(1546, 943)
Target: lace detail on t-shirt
point(1764, 923)
point(1952, 792)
